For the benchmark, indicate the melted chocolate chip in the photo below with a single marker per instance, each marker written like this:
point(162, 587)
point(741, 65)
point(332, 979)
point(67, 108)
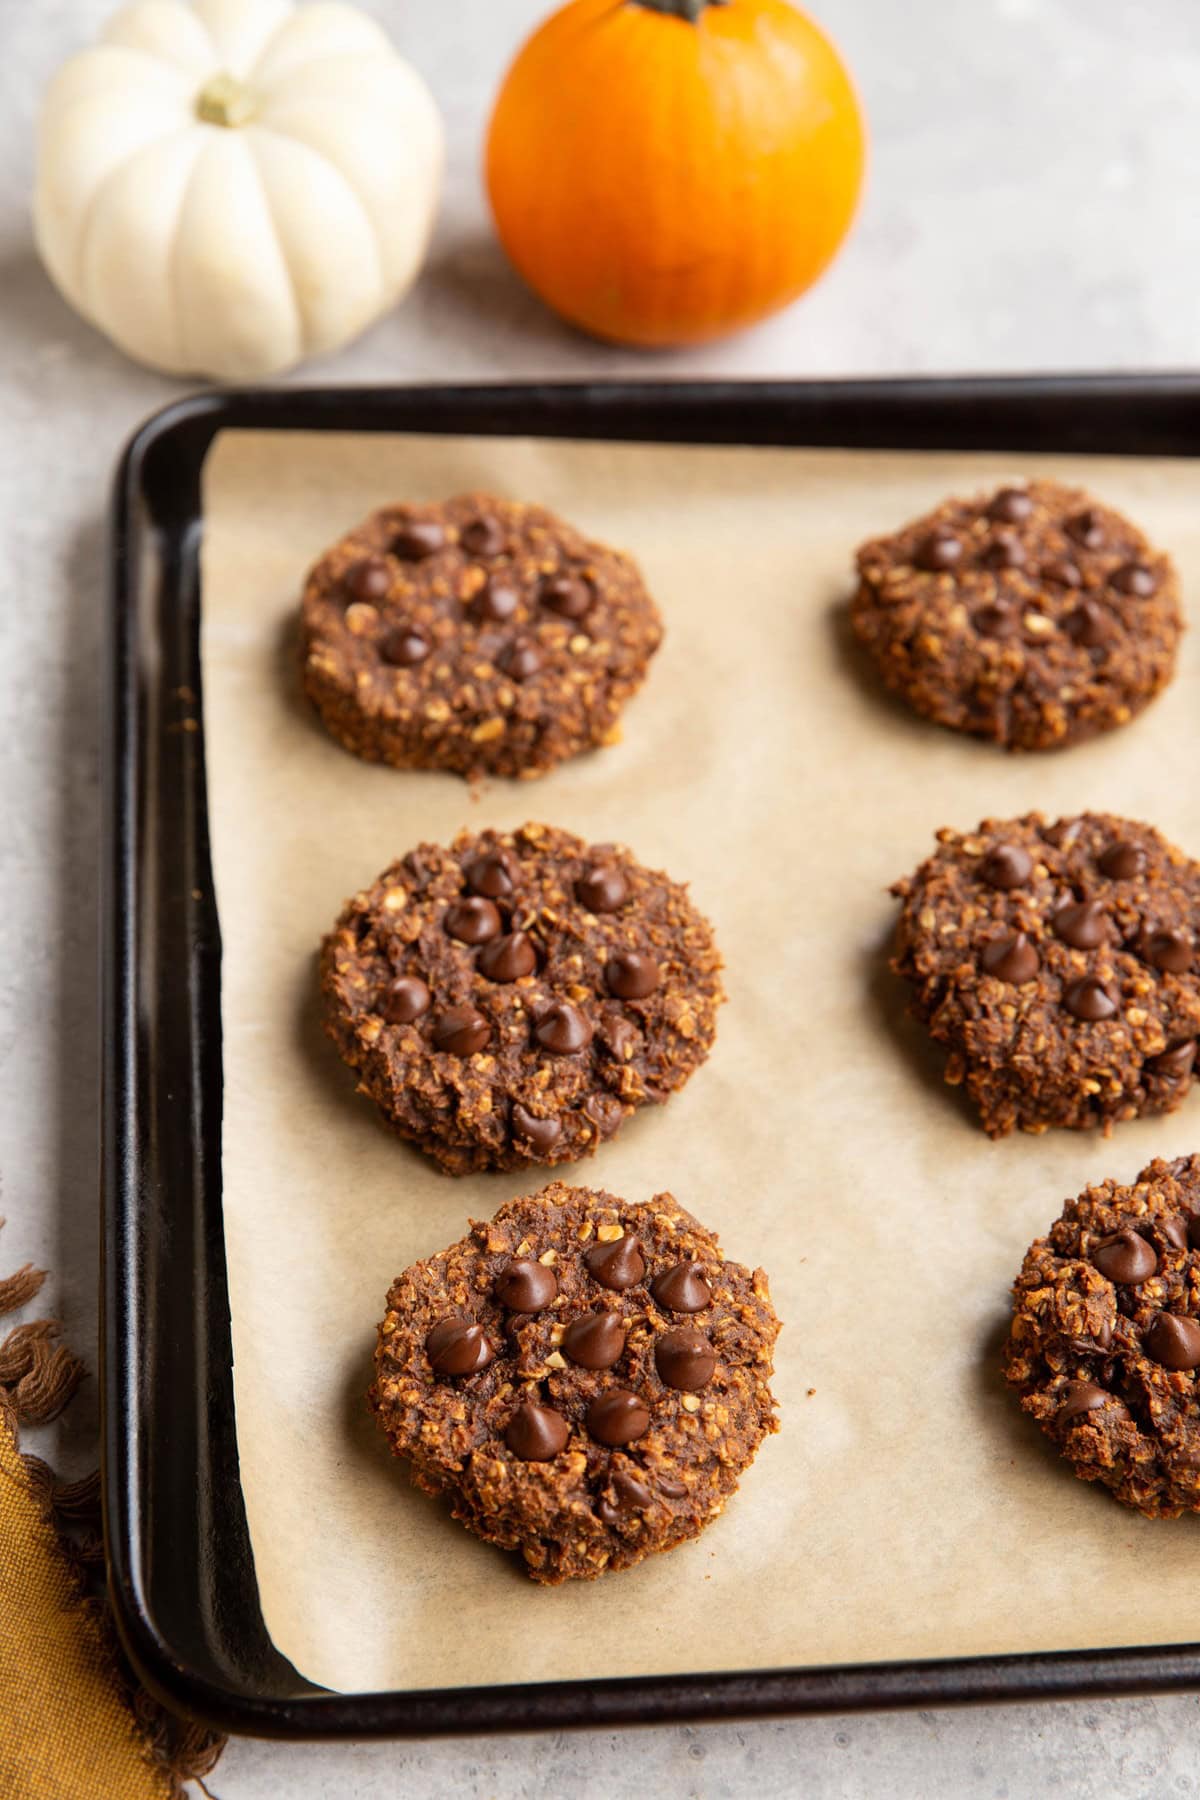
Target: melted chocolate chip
point(404, 648)
point(1087, 528)
point(483, 536)
point(618, 1265)
point(602, 889)
point(1174, 1341)
point(418, 539)
point(1083, 924)
point(1079, 1397)
point(457, 1346)
point(1089, 1000)
point(997, 621)
point(938, 551)
point(473, 920)
point(563, 1029)
point(1011, 505)
point(674, 1490)
point(1176, 1062)
point(621, 1038)
point(497, 599)
point(1170, 951)
point(1134, 578)
point(1123, 862)
point(1125, 1258)
point(495, 873)
point(617, 1417)
point(525, 1286)
point(594, 1341)
point(631, 1494)
point(630, 975)
point(522, 659)
point(405, 1000)
point(461, 1031)
point(508, 958)
point(1193, 1231)
point(1174, 1232)
point(1087, 625)
point(1006, 866)
point(1006, 551)
point(539, 1134)
point(566, 595)
point(684, 1359)
point(1062, 572)
point(1011, 958)
point(370, 579)
point(536, 1433)
point(682, 1289)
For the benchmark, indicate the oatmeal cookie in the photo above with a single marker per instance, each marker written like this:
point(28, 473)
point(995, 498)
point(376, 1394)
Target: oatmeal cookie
point(481, 635)
point(585, 1380)
point(515, 998)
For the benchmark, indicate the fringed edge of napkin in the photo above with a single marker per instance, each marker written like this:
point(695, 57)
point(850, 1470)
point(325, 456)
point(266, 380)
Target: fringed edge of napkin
point(38, 1378)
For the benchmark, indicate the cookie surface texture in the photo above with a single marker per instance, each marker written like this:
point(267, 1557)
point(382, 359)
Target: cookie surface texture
point(1033, 616)
point(1058, 965)
point(513, 999)
point(480, 635)
point(584, 1379)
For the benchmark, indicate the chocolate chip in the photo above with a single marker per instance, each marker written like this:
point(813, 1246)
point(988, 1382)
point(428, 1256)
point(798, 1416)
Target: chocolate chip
point(630, 975)
point(617, 1417)
point(1087, 528)
point(1193, 1231)
point(566, 595)
point(621, 1037)
point(1123, 862)
point(997, 621)
point(1062, 572)
point(1083, 924)
point(684, 1359)
point(1170, 951)
point(938, 551)
point(618, 1265)
point(1011, 958)
point(483, 536)
point(674, 1490)
point(404, 648)
point(473, 920)
point(1088, 999)
point(461, 1031)
point(563, 1029)
point(594, 1341)
point(1134, 578)
point(1079, 1397)
point(682, 1288)
point(631, 1494)
point(525, 1286)
point(522, 659)
point(1176, 1062)
point(1087, 625)
point(1006, 551)
point(418, 539)
point(602, 889)
point(405, 1000)
point(495, 873)
point(508, 958)
point(1125, 1258)
point(497, 599)
point(1012, 505)
point(1006, 866)
point(370, 579)
point(536, 1433)
point(605, 1111)
point(1174, 1231)
point(457, 1346)
point(1174, 1341)
point(539, 1134)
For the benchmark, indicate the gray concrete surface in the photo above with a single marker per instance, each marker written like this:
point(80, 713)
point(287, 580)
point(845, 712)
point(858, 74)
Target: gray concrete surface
point(1031, 206)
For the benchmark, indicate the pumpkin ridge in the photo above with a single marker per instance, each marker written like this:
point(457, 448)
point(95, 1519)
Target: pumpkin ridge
point(85, 226)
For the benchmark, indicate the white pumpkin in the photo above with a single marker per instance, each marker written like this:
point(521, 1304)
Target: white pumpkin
point(229, 187)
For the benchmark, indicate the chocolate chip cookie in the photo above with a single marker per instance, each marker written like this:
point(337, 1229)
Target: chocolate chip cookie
point(1033, 616)
point(481, 635)
point(1058, 964)
point(1105, 1341)
point(584, 1379)
point(515, 998)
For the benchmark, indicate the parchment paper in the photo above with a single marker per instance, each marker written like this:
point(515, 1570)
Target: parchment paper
point(907, 1509)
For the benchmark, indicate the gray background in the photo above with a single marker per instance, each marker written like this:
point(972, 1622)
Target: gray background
point(1031, 206)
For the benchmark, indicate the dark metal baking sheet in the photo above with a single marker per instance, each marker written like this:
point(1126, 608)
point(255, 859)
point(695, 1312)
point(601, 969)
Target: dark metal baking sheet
point(181, 1568)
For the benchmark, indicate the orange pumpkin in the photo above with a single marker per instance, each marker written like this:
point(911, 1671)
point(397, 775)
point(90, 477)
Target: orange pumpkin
point(665, 171)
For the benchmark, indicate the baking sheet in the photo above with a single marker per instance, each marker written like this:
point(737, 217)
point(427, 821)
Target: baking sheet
point(907, 1509)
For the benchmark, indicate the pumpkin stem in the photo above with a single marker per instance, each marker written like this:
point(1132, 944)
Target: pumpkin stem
point(225, 101)
point(680, 9)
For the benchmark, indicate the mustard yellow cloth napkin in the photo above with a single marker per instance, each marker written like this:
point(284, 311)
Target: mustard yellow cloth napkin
point(73, 1724)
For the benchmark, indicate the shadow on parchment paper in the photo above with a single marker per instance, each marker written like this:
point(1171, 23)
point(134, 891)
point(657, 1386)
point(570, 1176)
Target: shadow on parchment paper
point(1020, 1434)
point(888, 997)
point(321, 1053)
